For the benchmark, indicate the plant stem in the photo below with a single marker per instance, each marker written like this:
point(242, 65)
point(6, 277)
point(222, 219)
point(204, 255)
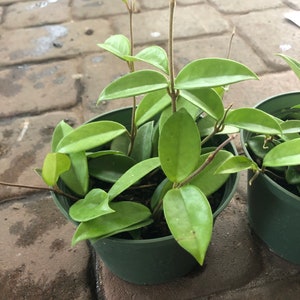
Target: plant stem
point(131, 9)
point(172, 92)
point(219, 126)
point(32, 187)
point(209, 159)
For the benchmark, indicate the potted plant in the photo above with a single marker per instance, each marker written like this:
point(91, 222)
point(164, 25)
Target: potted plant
point(142, 181)
point(274, 175)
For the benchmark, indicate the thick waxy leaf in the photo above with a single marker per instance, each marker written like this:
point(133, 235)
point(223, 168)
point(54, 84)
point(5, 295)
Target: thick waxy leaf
point(151, 104)
point(93, 205)
point(142, 147)
point(54, 165)
point(126, 214)
point(236, 164)
point(190, 219)
point(290, 126)
point(292, 174)
point(179, 146)
point(59, 132)
point(285, 154)
point(192, 109)
point(133, 175)
point(102, 153)
point(208, 181)
point(111, 167)
point(294, 64)
point(212, 72)
point(153, 55)
point(121, 143)
point(77, 177)
point(260, 146)
point(118, 45)
point(207, 124)
point(160, 192)
point(206, 99)
point(89, 136)
point(254, 120)
point(134, 84)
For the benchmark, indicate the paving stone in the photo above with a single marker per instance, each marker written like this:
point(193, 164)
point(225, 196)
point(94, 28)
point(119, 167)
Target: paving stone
point(190, 21)
point(52, 41)
point(293, 4)
point(282, 36)
point(38, 88)
point(86, 9)
point(35, 240)
point(250, 93)
point(98, 71)
point(24, 143)
point(282, 289)
point(233, 7)
point(36, 13)
point(6, 2)
point(232, 261)
point(217, 47)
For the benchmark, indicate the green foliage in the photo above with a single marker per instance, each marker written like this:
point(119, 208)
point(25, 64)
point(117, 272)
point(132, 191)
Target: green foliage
point(167, 148)
point(93, 205)
point(179, 146)
point(190, 219)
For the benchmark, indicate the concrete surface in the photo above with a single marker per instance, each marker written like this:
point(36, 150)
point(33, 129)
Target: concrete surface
point(52, 69)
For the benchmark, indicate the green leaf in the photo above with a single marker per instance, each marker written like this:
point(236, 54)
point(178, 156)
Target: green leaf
point(208, 181)
point(260, 146)
point(111, 167)
point(93, 205)
point(54, 165)
point(206, 99)
point(77, 177)
point(126, 214)
point(160, 192)
point(102, 153)
point(153, 55)
point(133, 175)
point(253, 120)
point(292, 175)
point(189, 217)
point(121, 143)
point(152, 104)
point(290, 126)
point(285, 154)
point(134, 84)
point(212, 72)
point(118, 45)
point(192, 109)
point(90, 135)
point(59, 132)
point(293, 63)
point(142, 147)
point(236, 164)
point(179, 146)
point(206, 126)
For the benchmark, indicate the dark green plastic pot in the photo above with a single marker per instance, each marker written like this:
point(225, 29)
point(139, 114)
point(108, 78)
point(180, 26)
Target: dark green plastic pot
point(274, 212)
point(150, 261)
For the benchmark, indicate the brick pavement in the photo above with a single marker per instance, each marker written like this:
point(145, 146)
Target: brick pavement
point(52, 69)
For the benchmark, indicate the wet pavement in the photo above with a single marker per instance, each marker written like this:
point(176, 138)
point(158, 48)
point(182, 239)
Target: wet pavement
point(52, 69)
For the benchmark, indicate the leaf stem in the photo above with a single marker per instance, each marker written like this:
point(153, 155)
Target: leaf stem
point(172, 92)
point(32, 187)
point(131, 9)
point(209, 159)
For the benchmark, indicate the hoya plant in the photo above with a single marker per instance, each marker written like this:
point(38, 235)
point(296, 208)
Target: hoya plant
point(168, 147)
point(275, 153)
